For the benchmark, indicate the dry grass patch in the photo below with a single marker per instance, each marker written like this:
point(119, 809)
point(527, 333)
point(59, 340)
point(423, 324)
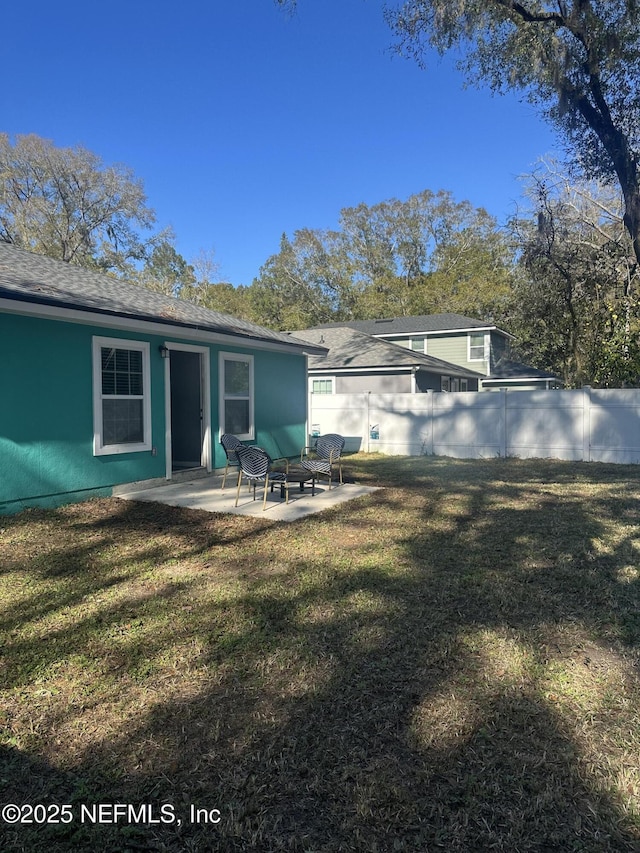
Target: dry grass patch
point(449, 663)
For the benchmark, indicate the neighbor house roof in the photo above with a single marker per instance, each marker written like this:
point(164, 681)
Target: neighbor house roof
point(350, 349)
point(514, 371)
point(26, 277)
point(423, 324)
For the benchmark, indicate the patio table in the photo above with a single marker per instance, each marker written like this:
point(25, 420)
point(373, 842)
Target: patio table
point(295, 474)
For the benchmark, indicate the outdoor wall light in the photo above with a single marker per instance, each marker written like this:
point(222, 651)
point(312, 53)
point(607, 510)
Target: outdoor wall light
point(164, 351)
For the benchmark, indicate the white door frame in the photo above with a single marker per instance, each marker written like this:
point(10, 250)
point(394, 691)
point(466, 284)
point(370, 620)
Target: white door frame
point(205, 379)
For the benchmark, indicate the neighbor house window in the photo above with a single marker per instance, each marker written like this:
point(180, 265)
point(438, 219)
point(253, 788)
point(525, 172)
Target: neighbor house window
point(451, 383)
point(322, 386)
point(121, 396)
point(417, 344)
point(476, 346)
point(236, 395)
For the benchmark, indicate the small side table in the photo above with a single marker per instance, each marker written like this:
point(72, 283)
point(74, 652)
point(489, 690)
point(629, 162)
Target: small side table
point(296, 474)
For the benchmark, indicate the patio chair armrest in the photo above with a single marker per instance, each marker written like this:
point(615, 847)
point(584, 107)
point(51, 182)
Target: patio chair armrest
point(303, 451)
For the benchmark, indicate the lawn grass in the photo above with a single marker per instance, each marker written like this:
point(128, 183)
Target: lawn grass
point(450, 663)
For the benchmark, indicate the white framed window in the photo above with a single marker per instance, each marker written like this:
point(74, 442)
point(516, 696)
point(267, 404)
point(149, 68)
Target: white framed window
point(322, 386)
point(476, 346)
point(236, 395)
point(121, 396)
point(418, 344)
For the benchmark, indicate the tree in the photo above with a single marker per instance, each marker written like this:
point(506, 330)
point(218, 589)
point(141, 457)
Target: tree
point(574, 309)
point(426, 254)
point(578, 61)
point(302, 284)
point(65, 203)
point(224, 297)
point(164, 270)
point(396, 258)
point(205, 288)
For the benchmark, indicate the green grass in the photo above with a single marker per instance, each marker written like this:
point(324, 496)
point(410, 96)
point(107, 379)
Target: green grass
point(451, 663)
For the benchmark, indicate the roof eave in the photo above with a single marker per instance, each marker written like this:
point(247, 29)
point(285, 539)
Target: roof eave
point(67, 307)
point(399, 368)
point(428, 332)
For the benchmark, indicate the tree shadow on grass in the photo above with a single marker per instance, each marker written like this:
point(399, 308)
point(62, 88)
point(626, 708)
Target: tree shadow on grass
point(406, 698)
point(92, 559)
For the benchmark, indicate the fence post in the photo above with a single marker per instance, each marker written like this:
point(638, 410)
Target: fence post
point(367, 407)
point(505, 440)
point(430, 399)
point(586, 423)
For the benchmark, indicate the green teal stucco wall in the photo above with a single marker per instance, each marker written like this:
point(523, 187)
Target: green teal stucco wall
point(280, 403)
point(46, 412)
point(46, 415)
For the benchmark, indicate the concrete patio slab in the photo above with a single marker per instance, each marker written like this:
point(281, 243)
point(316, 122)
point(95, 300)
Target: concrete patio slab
point(206, 493)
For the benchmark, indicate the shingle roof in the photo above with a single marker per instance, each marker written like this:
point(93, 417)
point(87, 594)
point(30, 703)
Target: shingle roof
point(349, 348)
point(27, 277)
point(419, 324)
point(507, 369)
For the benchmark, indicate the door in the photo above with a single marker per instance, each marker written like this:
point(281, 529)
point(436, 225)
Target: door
point(186, 410)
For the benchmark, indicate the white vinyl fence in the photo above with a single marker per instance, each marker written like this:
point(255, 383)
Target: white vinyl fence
point(589, 425)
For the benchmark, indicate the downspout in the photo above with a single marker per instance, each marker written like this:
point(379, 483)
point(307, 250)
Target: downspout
point(309, 400)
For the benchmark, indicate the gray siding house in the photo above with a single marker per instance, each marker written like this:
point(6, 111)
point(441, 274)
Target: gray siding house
point(356, 362)
point(471, 344)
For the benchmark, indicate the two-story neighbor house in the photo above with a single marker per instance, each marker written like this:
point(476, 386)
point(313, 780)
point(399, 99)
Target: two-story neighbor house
point(462, 341)
point(358, 362)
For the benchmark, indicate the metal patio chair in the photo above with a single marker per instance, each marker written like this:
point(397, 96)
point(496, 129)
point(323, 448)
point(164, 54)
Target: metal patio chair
point(324, 455)
point(230, 444)
point(255, 466)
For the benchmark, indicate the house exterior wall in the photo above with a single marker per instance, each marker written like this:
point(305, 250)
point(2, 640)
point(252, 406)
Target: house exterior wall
point(46, 411)
point(433, 382)
point(388, 383)
point(519, 386)
point(428, 381)
point(454, 348)
point(280, 404)
point(499, 348)
point(380, 383)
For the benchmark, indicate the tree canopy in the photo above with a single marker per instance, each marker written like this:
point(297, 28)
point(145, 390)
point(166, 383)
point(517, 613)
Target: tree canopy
point(66, 203)
point(574, 309)
point(425, 254)
point(563, 279)
point(578, 61)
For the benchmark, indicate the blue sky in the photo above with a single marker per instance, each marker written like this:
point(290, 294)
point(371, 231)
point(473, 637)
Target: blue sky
point(244, 122)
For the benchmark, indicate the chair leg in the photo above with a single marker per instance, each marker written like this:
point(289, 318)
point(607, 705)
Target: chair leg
point(224, 476)
point(266, 486)
point(239, 483)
